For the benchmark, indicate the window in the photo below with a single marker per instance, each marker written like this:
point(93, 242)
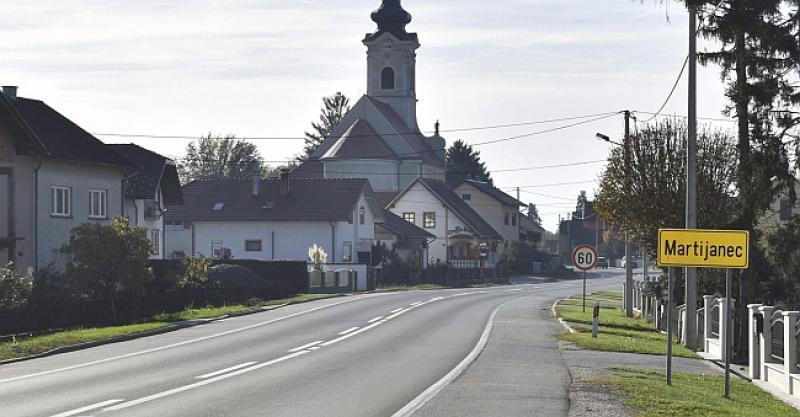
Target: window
point(387, 79)
point(786, 209)
point(429, 220)
point(98, 204)
point(513, 219)
point(218, 206)
point(62, 201)
point(466, 197)
point(155, 242)
point(506, 219)
point(362, 215)
point(410, 217)
point(252, 245)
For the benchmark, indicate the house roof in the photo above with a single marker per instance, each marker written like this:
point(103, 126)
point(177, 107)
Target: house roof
point(360, 141)
point(447, 196)
point(55, 135)
point(309, 169)
point(494, 192)
point(406, 232)
point(308, 200)
point(151, 171)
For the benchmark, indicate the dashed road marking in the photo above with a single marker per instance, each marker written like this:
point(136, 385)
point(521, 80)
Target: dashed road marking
point(226, 370)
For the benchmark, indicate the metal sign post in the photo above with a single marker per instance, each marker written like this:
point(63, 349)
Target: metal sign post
point(728, 332)
point(670, 273)
point(584, 257)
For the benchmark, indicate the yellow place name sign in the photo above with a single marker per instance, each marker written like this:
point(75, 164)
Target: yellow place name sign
point(704, 248)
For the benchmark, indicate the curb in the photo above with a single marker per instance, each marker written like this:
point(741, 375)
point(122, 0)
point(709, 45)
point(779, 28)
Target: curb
point(171, 328)
point(560, 320)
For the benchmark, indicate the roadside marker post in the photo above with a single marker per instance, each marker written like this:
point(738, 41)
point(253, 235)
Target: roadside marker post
point(723, 249)
point(595, 318)
point(584, 257)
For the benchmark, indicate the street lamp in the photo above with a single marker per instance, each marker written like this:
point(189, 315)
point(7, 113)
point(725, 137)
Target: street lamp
point(605, 138)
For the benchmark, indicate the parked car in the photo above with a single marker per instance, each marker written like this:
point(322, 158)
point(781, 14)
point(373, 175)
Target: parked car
point(602, 262)
point(633, 263)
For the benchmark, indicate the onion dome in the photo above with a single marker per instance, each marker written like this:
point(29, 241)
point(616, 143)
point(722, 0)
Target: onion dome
point(391, 18)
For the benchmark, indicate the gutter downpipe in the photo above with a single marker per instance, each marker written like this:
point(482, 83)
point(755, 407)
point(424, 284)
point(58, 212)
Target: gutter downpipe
point(36, 167)
point(333, 240)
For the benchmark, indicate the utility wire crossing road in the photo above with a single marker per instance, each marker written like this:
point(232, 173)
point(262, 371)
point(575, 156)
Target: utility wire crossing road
point(324, 358)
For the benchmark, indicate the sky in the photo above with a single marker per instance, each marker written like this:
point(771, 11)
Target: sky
point(259, 68)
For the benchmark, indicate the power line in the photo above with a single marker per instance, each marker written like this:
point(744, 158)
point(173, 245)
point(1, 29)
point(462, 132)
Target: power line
point(672, 91)
point(466, 129)
point(556, 184)
point(541, 132)
point(680, 116)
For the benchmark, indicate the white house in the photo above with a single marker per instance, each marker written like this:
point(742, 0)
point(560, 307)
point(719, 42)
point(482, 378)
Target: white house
point(150, 187)
point(497, 208)
point(54, 176)
point(462, 235)
point(279, 219)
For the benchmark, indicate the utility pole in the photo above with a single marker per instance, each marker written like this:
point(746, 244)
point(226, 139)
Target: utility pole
point(690, 326)
point(628, 266)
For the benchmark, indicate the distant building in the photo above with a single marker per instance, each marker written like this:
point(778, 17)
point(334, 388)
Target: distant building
point(582, 228)
point(496, 207)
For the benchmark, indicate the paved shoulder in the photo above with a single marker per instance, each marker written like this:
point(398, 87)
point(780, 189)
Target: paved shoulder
point(520, 372)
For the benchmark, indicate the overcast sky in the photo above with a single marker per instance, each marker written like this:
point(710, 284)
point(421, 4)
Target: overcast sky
point(258, 68)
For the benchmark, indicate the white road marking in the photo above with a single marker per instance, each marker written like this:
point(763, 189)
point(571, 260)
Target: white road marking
point(396, 310)
point(226, 370)
point(418, 303)
point(514, 289)
point(434, 389)
point(373, 320)
point(308, 345)
point(348, 330)
point(314, 348)
point(202, 383)
point(87, 408)
point(349, 335)
point(399, 312)
point(186, 342)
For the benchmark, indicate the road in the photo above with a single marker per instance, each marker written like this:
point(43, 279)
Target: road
point(365, 355)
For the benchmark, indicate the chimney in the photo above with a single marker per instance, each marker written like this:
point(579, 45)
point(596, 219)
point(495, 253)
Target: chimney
point(10, 91)
point(284, 181)
point(256, 185)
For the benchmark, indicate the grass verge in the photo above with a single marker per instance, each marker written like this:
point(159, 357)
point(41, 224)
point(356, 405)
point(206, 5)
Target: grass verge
point(617, 332)
point(693, 395)
point(389, 288)
point(40, 344)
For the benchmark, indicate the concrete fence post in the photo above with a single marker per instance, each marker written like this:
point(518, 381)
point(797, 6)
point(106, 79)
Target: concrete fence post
point(724, 305)
point(790, 346)
point(625, 300)
point(708, 306)
point(766, 339)
point(754, 355)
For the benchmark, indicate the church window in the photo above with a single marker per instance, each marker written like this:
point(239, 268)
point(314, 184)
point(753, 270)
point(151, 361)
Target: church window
point(387, 79)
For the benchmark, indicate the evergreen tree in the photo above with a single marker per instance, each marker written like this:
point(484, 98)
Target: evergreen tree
point(334, 108)
point(533, 214)
point(219, 158)
point(464, 163)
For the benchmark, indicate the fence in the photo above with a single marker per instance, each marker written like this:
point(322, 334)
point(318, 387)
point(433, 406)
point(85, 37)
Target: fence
point(714, 328)
point(773, 342)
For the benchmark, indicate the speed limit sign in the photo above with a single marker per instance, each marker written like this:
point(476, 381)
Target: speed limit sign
point(584, 257)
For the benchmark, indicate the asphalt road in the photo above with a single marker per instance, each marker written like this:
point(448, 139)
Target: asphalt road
point(366, 355)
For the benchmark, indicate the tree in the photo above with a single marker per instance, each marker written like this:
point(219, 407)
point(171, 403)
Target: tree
point(464, 163)
point(334, 108)
point(220, 158)
point(533, 214)
point(109, 262)
point(657, 173)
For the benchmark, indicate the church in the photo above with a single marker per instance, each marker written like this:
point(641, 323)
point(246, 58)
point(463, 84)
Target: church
point(379, 139)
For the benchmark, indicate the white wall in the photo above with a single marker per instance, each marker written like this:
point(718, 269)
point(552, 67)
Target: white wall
point(382, 174)
point(492, 212)
point(419, 200)
point(135, 210)
point(53, 232)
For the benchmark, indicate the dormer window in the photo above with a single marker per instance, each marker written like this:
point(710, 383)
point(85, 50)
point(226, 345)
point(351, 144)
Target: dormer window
point(387, 79)
point(362, 215)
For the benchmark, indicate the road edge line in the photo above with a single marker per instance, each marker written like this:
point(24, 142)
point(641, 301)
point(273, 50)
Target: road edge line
point(560, 320)
point(418, 402)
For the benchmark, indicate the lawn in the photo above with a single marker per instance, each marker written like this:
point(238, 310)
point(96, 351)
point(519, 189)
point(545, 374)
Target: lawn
point(693, 395)
point(400, 287)
point(41, 344)
point(617, 332)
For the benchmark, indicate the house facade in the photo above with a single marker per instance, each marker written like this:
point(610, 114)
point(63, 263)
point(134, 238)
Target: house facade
point(55, 177)
point(151, 186)
point(278, 219)
point(497, 208)
point(462, 237)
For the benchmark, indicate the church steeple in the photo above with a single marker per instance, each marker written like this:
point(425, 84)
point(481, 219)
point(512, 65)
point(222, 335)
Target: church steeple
point(391, 61)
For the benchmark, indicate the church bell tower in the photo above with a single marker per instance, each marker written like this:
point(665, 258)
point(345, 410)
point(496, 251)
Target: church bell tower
point(391, 61)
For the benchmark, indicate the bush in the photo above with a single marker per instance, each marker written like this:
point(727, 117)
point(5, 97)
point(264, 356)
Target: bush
point(14, 292)
point(239, 283)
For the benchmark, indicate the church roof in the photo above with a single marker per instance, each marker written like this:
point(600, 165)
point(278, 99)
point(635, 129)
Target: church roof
point(391, 18)
point(416, 140)
point(360, 141)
